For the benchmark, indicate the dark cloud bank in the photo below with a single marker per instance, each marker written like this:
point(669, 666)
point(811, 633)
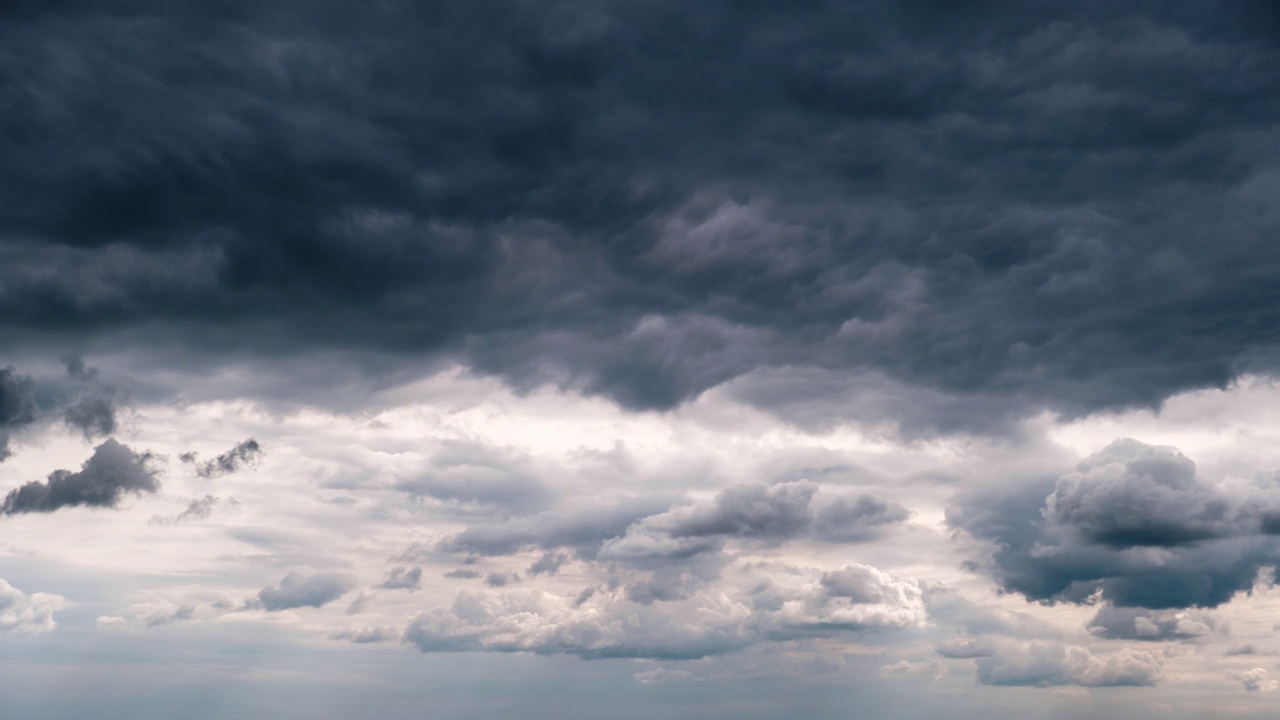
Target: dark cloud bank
point(1052, 205)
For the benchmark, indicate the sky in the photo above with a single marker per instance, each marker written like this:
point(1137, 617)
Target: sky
point(621, 359)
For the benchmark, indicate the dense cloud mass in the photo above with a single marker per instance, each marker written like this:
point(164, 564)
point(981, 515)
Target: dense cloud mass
point(1134, 523)
point(1001, 212)
point(112, 472)
point(17, 406)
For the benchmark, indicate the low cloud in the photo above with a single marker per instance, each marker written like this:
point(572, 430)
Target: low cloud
point(1050, 664)
point(112, 472)
point(1134, 524)
point(23, 613)
point(298, 591)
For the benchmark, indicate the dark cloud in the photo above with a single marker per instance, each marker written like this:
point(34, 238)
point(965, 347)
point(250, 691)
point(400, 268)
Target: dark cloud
point(17, 406)
point(297, 591)
point(402, 578)
point(112, 472)
point(1134, 523)
point(1025, 209)
point(501, 579)
point(1138, 624)
point(93, 412)
point(755, 513)
point(244, 453)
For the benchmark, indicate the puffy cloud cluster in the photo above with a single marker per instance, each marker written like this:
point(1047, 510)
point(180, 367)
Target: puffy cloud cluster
point(20, 612)
point(1133, 523)
point(607, 623)
point(1047, 664)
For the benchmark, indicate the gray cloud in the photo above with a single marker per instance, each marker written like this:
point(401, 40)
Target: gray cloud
point(298, 591)
point(244, 453)
point(93, 413)
point(17, 406)
point(471, 473)
point(759, 512)
point(166, 617)
point(401, 578)
point(548, 564)
point(1133, 522)
point(1138, 624)
point(999, 212)
point(197, 509)
point(112, 472)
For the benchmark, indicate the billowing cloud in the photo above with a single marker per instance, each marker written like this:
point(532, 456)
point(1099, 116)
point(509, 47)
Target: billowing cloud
point(298, 591)
point(1047, 664)
point(93, 412)
point(111, 473)
point(853, 599)
point(1154, 625)
point(20, 612)
point(1134, 523)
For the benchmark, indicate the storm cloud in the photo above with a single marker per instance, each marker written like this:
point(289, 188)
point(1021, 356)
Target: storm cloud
point(17, 406)
point(1134, 523)
point(111, 473)
point(1011, 211)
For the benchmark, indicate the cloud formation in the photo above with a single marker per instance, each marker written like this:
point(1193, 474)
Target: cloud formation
point(1133, 523)
point(23, 613)
point(111, 473)
point(298, 591)
point(246, 452)
point(983, 205)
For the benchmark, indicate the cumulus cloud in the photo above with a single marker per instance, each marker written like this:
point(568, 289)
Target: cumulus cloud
point(33, 613)
point(167, 617)
point(755, 512)
point(298, 591)
point(244, 453)
point(1154, 625)
point(607, 623)
point(1134, 523)
point(1048, 664)
point(1254, 680)
point(112, 472)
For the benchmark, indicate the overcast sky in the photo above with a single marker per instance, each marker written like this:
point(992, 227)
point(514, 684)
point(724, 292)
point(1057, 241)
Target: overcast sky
point(636, 359)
